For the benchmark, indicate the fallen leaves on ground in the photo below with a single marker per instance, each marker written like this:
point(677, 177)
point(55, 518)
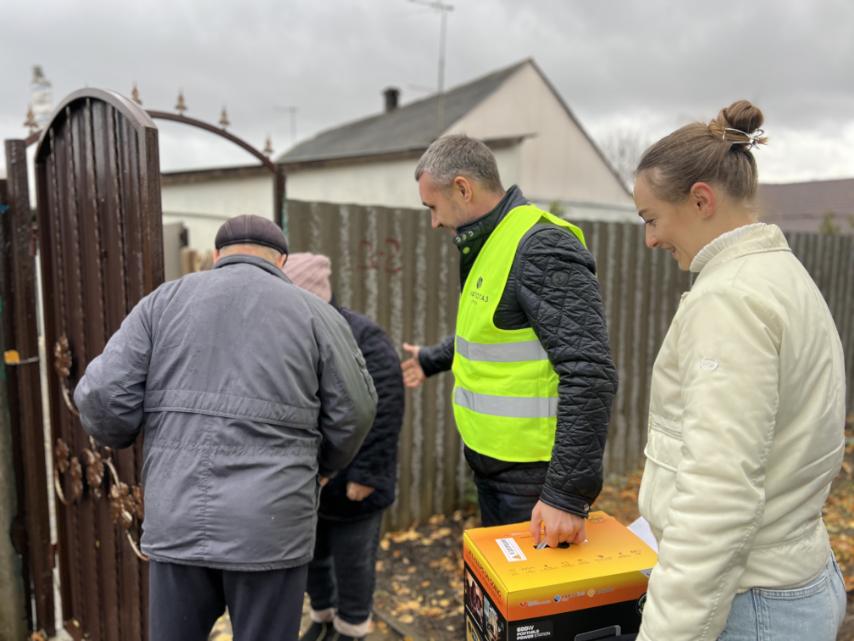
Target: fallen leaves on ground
point(419, 572)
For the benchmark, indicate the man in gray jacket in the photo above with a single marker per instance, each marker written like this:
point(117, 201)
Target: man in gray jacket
point(249, 392)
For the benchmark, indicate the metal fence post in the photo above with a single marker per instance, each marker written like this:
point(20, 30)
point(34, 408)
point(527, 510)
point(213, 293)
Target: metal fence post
point(13, 618)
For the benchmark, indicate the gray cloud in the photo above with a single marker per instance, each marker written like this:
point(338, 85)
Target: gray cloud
point(651, 65)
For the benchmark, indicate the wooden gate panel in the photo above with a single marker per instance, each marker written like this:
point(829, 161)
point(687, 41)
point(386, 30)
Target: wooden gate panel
point(101, 231)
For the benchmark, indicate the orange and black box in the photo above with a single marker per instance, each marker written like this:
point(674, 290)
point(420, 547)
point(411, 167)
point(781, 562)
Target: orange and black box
point(586, 592)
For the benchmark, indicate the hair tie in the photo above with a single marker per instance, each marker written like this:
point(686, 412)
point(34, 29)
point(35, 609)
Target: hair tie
point(752, 140)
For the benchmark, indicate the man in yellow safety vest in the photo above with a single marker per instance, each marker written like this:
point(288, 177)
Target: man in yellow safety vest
point(533, 375)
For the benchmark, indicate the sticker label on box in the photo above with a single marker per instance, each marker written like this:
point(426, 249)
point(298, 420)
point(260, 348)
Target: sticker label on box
point(511, 550)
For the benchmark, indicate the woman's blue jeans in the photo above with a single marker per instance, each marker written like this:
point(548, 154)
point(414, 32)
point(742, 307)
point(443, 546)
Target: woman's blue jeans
point(811, 612)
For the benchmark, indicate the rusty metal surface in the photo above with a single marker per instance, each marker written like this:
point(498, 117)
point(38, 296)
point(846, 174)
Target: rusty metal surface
point(97, 175)
point(20, 325)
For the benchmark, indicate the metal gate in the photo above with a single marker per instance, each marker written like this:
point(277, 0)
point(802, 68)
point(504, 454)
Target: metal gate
point(100, 235)
point(100, 240)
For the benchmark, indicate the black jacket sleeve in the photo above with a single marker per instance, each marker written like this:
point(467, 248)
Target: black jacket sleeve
point(557, 290)
point(437, 358)
point(376, 463)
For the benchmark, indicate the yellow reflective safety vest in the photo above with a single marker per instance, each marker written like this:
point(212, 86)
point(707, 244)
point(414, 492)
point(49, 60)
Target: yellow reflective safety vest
point(505, 388)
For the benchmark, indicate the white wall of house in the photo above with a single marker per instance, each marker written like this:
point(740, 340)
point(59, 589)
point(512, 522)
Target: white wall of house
point(203, 205)
point(558, 162)
point(386, 183)
point(201, 228)
point(230, 196)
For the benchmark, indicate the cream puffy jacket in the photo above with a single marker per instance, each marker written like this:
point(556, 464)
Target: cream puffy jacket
point(746, 432)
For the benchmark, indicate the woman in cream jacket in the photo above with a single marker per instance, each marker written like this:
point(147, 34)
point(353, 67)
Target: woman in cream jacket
point(747, 408)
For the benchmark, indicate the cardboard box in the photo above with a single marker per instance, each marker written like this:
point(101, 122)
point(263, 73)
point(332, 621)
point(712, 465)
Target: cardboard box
point(514, 592)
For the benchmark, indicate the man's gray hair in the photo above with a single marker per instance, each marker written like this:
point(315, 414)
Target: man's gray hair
point(459, 155)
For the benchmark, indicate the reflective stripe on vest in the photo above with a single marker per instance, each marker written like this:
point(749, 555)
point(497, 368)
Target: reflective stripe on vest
point(505, 394)
point(501, 353)
point(512, 406)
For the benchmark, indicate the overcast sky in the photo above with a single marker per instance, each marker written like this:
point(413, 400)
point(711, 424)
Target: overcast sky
point(621, 65)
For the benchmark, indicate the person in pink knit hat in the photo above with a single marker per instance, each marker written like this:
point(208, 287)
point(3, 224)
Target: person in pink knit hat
point(311, 272)
point(341, 577)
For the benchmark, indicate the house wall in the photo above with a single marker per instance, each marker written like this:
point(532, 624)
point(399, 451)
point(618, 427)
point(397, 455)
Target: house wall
point(557, 160)
point(387, 184)
point(203, 205)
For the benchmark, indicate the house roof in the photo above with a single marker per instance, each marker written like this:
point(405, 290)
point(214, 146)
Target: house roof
point(803, 206)
point(412, 126)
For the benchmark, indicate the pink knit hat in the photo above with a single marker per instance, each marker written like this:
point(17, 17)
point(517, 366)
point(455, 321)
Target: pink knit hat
point(311, 272)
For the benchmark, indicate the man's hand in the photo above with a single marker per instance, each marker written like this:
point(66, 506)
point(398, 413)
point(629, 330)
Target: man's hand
point(323, 480)
point(558, 525)
point(413, 375)
point(357, 491)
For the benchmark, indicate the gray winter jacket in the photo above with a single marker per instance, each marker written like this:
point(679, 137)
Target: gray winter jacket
point(246, 387)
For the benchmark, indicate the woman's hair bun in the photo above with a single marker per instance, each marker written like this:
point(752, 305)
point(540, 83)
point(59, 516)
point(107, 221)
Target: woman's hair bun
point(741, 115)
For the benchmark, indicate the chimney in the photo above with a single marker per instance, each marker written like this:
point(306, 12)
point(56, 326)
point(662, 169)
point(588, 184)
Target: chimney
point(392, 96)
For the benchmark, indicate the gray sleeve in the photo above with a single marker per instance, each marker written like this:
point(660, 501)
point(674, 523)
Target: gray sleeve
point(348, 401)
point(110, 395)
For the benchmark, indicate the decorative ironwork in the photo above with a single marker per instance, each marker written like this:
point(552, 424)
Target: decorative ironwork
point(134, 94)
point(94, 471)
point(126, 506)
point(62, 365)
point(63, 462)
point(75, 472)
point(181, 105)
point(62, 357)
point(61, 455)
point(119, 505)
point(223, 119)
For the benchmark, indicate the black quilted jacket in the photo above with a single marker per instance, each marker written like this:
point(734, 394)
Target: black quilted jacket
point(552, 288)
point(375, 465)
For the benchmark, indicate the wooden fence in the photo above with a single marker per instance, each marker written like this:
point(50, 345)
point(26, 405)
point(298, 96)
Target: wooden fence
point(389, 264)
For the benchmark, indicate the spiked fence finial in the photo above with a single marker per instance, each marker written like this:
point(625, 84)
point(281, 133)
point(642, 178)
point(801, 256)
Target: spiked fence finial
point(181, 105)
point(30, 122)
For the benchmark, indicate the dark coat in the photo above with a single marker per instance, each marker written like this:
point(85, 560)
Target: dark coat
point(552, 288)
point(375, 465)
